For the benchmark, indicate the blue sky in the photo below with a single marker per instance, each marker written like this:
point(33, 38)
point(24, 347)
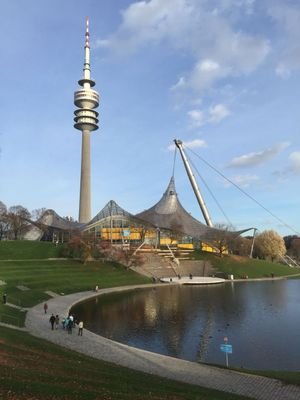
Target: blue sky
point(221, 75)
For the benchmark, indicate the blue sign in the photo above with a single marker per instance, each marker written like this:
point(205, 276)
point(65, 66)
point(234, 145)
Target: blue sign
point(126, 232)
point(226, 348)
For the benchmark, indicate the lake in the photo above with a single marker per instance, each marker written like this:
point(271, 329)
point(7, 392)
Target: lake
point(260, 319)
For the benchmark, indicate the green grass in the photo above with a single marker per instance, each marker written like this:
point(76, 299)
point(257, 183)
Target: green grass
point(35, 272)
point(12, 316)
point(36, 369)
point(24, 250)
point(59, 276)
point(241, 267)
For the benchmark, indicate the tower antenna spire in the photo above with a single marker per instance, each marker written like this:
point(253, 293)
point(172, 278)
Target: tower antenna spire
point(86, 120)
point(87, 35)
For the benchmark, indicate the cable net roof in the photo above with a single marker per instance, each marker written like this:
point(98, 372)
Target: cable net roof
point(112, 209)
point(52, 219)
point(169, 214)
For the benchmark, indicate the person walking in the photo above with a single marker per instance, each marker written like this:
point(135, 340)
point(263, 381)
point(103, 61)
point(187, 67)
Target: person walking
point(4, 298)
point(71, 318)
point(52, 321)
point(80, 328)
point(45, 308)
point(70, 325)
point(56, 321)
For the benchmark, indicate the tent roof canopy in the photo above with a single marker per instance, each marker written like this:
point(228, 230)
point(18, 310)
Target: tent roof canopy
point(168, 213)
point(51, 219)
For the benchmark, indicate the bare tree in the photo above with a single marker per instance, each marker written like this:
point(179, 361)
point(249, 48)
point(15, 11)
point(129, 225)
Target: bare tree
point(17, 218)
point(223, 238)
point(37, 213)
point(3, 219)
point(241, 246)
point(269, 245)
point(295, 248)
point(81, 247)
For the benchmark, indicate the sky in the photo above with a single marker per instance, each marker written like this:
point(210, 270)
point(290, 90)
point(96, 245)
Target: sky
point(223, 76)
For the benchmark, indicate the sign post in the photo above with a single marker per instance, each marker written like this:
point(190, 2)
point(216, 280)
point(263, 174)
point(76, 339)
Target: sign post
point(227, 349)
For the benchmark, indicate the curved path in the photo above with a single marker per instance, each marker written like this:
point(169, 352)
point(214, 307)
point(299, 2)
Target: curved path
point(261, 388)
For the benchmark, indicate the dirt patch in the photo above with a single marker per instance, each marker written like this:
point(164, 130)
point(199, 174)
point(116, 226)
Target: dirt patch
point(6, 359)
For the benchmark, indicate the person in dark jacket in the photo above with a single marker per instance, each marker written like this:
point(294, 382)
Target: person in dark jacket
point(52, 321)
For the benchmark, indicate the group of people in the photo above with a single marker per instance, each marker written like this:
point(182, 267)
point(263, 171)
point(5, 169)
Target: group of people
point(54, 321)
point(68, 323)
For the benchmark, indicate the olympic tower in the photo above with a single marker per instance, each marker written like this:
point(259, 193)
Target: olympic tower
point(86, 120)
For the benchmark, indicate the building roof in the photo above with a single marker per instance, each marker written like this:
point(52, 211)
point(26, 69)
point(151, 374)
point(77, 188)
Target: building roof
point(168, 213)
point(112, 209)
point(51, 219)
point(109, 210)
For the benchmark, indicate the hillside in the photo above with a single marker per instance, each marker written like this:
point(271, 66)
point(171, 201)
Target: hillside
point(28, 250)
point(241, 267)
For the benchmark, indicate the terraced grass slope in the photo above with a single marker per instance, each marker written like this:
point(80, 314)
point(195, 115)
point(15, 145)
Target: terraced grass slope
point(25, 250)
point(26, 281)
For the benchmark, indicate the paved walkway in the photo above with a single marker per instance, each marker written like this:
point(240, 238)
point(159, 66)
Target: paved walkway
point(261, 388)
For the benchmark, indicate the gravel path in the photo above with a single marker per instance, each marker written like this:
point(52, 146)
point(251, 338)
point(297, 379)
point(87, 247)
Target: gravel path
point(261, 388)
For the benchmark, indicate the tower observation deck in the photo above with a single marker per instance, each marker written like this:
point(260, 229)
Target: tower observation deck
point(86, 120)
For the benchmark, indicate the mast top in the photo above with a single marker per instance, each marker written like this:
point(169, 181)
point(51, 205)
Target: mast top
point(87, 42)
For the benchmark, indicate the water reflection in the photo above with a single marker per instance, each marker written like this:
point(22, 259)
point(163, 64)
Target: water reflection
point(260, 319)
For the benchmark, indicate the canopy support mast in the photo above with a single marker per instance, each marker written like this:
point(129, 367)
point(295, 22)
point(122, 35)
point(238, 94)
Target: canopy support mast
point(193, 181)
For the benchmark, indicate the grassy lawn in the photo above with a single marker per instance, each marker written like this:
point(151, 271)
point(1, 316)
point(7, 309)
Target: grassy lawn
point(27, 281)
point(32, 368)
point(22, 249)
point(29, 274)
point(242, 266)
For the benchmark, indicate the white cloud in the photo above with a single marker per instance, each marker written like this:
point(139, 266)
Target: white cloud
point(209, 66)
point(197, 118)
point(219, 50)
point(294, 160)
point(179, 84)
point(218, 112)
point(192, 144)
point(214, 114)
point(287, 17)
point(203, 75)
point(256, 158)
point(150, 21)
point(282, 70)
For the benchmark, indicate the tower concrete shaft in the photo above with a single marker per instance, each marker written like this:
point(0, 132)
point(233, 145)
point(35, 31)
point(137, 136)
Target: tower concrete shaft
point(85, 179)
point(86, 120)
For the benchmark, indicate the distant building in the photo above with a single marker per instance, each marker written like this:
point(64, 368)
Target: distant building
point(52, 227)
